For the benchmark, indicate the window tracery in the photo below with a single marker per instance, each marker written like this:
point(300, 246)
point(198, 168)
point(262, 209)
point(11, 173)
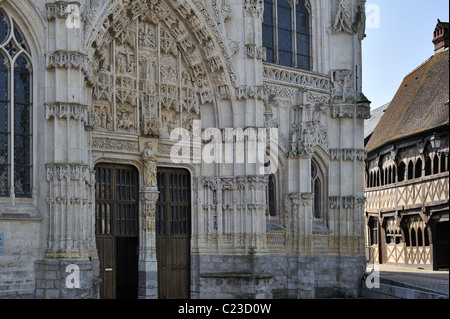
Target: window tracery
point(15, 111)
point(287, 33)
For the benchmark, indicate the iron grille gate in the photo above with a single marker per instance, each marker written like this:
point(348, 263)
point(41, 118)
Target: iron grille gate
point(173, 233)
point(116, 228)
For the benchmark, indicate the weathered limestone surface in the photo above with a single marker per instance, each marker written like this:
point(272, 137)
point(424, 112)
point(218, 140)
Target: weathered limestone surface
point(131, 73)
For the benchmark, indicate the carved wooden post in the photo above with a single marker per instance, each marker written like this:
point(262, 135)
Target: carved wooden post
point(148, 266)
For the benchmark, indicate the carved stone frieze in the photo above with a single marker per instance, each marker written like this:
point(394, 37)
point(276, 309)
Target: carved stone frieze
point(70, 60)
point(73, 172)
point(255, 52)
point(346, 202)
point(250, 92)
point(61, 9)
point(60, 110)
point(348, 154)
point(115, 145)
point(350, 111)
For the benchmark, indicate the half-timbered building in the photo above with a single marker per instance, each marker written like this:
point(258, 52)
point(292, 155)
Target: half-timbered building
point(407, 169)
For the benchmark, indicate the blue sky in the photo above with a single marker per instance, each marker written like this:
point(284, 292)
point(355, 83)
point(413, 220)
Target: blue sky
point(399, 44)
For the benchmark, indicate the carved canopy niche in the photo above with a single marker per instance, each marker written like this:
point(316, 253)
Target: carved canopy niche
point(154, 65)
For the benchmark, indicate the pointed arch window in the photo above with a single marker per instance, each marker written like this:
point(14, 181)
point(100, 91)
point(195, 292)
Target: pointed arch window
point(316, 187)
point(287, 33)
point(272, 196)
point(15, 111)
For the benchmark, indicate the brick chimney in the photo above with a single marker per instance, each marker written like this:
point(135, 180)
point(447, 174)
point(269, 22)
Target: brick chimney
point(440, 36)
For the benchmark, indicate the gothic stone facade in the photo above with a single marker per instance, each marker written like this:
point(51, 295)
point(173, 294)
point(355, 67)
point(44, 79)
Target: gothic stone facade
point(109, 82)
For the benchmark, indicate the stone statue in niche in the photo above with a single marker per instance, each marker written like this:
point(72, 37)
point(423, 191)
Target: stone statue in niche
point(103, 118)
point(150, 162)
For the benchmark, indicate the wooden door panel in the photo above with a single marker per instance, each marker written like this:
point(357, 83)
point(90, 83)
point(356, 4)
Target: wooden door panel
point(116, 230)
point(173, 232)
point(105, 246)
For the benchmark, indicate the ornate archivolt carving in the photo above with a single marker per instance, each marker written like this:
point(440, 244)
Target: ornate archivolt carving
point(158, 62)
point(195, 18)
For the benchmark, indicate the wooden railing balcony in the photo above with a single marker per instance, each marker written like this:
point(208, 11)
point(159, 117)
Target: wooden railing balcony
point(425, 191)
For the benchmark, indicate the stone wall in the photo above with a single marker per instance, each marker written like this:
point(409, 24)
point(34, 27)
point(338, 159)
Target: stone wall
point(20, 249)
point(278, 277)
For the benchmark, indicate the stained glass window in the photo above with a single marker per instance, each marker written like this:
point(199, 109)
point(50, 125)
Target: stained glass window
point(287, 33)
point(4, 168)
point(15, 111)
point(267, 29)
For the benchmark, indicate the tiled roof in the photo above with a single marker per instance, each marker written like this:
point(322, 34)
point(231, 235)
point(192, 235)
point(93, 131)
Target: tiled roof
point(419, 104)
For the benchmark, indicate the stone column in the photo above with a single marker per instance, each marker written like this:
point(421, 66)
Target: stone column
point(148, 265)
point(69, 265)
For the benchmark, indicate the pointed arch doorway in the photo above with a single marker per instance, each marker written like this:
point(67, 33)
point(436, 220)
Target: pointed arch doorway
point(117, 229)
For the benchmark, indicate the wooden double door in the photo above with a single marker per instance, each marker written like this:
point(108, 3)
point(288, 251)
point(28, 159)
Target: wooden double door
point(117, 230)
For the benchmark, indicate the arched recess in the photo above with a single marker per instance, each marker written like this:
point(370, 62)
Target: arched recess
point(157, 65)
point(319, 160)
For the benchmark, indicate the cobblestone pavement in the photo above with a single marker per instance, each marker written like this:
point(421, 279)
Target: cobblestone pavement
point(429, 279)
